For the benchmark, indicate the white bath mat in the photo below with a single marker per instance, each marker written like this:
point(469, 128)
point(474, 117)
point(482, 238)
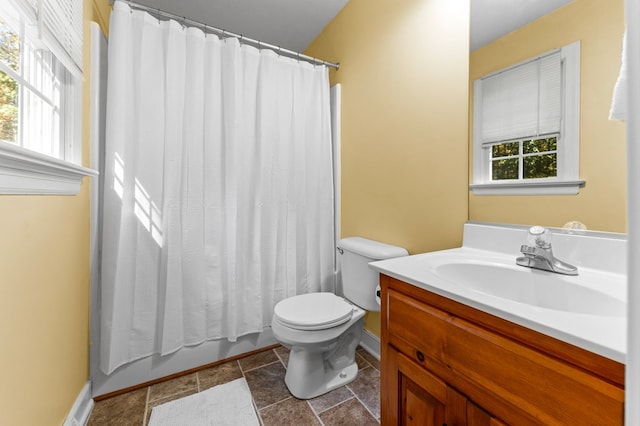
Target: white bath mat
point(224, 405)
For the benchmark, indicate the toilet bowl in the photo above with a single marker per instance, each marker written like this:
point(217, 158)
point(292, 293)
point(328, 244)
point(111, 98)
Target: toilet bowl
point(322, 353)
point(323, 330)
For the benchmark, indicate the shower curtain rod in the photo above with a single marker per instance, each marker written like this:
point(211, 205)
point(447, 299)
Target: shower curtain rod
point(224, 33)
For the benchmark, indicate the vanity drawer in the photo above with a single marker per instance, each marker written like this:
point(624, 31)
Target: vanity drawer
point(512, 380)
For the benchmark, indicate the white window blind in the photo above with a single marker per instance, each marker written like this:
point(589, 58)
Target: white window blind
point(59, 26)
point(522, 101)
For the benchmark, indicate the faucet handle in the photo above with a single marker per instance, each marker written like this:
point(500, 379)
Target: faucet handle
point(539, 237)
point(528, 250)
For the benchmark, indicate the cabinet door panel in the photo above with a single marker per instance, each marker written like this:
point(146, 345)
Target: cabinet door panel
point(418, 406)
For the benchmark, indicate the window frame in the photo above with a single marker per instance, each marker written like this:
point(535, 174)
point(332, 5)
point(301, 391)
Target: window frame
point(567, 182)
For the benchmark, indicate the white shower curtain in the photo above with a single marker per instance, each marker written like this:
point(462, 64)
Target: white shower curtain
point(218, 197)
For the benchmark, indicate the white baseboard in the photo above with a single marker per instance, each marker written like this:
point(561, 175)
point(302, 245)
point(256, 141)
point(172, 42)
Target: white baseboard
point(81, 410)
point(371, 343)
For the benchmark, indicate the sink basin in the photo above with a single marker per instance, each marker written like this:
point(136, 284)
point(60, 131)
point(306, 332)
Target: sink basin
point(587, 310)
point(531, 286)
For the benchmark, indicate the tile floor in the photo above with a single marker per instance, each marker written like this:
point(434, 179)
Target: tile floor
point(357, 403)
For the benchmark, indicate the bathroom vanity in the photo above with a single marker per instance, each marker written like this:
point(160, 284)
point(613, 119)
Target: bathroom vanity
point(447, 363)
point(455, 354)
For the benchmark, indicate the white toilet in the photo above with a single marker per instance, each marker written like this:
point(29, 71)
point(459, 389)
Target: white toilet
point(323, 330)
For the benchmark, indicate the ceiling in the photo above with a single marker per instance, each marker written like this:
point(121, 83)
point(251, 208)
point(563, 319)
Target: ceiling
point(294, 24)
point(491, 19)
point(291, 24)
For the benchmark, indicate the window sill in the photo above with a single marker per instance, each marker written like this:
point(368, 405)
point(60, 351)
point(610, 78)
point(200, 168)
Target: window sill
point(571, 187)
point(27, 172)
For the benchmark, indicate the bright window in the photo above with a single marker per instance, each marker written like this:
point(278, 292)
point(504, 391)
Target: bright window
point(40, 96)
point(526, 126)
point(34, 88)
point(525, 159)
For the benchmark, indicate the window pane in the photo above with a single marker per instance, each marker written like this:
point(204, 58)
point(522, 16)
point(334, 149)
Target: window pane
point(540, 145)
point(42, 134)
point(540, 166)
point(504, 169)
point(8, 108)
point(505, 149)
point(9, 46)
point(41, 71)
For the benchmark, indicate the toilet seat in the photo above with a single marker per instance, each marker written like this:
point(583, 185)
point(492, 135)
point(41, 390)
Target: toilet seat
point(313, 311)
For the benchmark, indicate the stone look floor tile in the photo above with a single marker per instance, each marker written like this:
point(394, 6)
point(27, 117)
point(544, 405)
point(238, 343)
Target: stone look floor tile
point(283, 354)
point(265, 376)
point(218, 375)
point(369, 358)
point(367, 388)
point(361, 361)
point(126, 409)
point(258, 360)
point(328, 400)
point(348, 413)
point(267, 384)
point(173, 386)
point(290, 412)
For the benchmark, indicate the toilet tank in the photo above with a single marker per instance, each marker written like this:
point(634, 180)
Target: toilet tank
point(359, 282)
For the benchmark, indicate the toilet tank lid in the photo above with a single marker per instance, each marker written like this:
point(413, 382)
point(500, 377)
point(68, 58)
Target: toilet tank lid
point(371, 249)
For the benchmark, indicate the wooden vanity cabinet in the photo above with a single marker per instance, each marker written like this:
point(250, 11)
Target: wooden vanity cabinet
point(444, 363)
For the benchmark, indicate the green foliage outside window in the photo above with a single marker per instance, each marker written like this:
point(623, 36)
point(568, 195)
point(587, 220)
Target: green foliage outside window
point(540, 145)
point(540, 166)
point(539, 159)
point(505, 169)
point(10, 55)
point(505, 149)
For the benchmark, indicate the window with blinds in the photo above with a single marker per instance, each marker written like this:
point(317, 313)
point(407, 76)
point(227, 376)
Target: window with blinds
point(41, 97)
point(40, 75)
point(526, 126)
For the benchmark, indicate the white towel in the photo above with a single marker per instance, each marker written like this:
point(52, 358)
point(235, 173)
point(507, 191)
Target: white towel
point(619, 101)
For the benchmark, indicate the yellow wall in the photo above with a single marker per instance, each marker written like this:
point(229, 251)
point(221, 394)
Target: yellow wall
point(44, 295)
point(601, 204)
point(404, 75)
point(99, 13)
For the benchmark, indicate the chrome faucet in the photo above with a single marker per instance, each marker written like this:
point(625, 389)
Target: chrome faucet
point(538, 253)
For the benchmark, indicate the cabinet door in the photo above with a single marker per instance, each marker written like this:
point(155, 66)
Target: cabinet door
point(417, 397)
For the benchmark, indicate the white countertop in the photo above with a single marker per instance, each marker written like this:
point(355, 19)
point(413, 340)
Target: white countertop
point(604, 334)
